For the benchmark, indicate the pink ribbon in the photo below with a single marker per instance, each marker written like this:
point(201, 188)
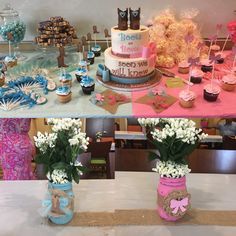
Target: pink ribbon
point(176, 205)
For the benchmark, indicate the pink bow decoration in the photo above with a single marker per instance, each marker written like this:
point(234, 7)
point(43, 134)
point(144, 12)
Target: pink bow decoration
point(176, 205)
point(213, 38)
point(99, 97)
point(219, 26)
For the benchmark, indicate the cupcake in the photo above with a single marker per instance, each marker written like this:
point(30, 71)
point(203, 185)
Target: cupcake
point(90, 57)
point(66, 79)
point(221, 59)
point(228, 82)
point(214, 49)
point(187, 98)
point(206, 65)
point(97, 50)
point(79, 73)
point(87, 84)
point(196, 76)
point(10, 61)
point(211, 92)
point(64, 94)
point(84, 64)
point(183, 67)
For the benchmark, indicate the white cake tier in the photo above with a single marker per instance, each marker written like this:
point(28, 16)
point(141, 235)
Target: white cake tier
point(129, 43)
point(128, 67)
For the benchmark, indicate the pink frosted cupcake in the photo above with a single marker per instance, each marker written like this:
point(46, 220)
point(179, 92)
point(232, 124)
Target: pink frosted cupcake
point(183, 67)
point(187, 98)
point(207, 66)
point(211, 92)
point(228, 82)
point(214, 49)
point(196, 76)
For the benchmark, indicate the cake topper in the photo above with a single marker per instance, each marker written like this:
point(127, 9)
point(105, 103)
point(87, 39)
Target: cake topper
point(122, 19)
point(95, 31)
point(134, 16)
point(89, 38)
point(234, 54)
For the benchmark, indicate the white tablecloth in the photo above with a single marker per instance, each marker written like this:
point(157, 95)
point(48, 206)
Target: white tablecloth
point(20, 200)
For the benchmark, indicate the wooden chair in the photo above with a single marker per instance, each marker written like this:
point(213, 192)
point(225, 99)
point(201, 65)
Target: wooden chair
point(100, 161)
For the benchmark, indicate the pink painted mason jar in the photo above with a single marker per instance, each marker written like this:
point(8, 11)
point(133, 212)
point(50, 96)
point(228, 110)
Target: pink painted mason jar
point(173, 198)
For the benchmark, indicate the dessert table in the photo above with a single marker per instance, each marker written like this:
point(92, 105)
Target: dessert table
point(20, 200)
point(80, 105)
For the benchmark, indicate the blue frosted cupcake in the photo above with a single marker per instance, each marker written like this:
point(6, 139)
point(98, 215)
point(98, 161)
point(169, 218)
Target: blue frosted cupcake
point(64, 94)
point(97, 50)
point(66, 79)
point(79, 73)
point(90, 57)
point(10, 61)
point(87, 84)
point(84, 64)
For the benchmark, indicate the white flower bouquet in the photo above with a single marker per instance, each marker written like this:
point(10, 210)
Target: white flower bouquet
point(58, 150)
point(175, 139)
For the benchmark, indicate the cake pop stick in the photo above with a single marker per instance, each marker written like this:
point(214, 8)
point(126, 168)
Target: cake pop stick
point(213, 59)
point(107, 36)
point(193, 62)
point(218, 28)
point(234, 52)
point(84, 41)
point(9, 38)
point(199, 47)
point(188, 39)
point(89, 39)
point(95, 31)
point(223, 48)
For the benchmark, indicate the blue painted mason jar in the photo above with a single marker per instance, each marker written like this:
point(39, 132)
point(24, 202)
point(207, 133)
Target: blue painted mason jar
point(62, 203)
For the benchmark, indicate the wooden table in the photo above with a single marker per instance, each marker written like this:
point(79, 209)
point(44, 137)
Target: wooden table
point(20, 201)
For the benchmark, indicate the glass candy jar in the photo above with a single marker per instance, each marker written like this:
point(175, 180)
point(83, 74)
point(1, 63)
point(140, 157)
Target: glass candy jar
point(12, 29)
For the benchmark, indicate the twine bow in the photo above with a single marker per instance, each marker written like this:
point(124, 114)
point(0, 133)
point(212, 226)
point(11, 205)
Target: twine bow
point(177, 205)
point(57, 203)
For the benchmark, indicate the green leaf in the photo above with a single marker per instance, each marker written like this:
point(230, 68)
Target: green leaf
point(152, 156)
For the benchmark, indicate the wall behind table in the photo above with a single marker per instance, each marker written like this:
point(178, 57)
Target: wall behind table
point(83, 14)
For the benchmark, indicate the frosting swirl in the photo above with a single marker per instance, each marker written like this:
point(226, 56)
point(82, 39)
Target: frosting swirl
point(10, 59)
point(65, 77)
point(81, 72)
point(206, 62)
point(87, 81)
point(184, 64)
point(187, 95)
point(63, 90)
point(96, 48)
point(229, 79)
point(215, 47)
point(83, 63)
point(196, 73)
point(90, 55)
point(212, 89)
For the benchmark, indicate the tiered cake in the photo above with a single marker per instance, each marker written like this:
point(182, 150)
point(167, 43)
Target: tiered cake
point(131, 59)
